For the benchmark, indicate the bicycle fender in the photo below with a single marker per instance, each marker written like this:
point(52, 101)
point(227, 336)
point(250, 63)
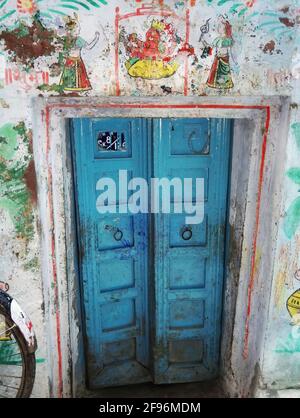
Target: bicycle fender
point(20, 318)
point(24, 324)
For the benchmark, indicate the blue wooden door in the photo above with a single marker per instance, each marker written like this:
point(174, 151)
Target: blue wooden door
point(151, 284)
point(113, 252)
point(189, 258)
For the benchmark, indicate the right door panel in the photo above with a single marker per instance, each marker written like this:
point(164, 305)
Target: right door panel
point(189, 258)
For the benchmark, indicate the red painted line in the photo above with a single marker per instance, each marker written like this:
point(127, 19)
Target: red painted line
point(157, 106)
point(47, 117)
point(140, 12)
point(45, 77)
point(255, 233)
point(117, 18)
point(8, 76)
point(54, 267)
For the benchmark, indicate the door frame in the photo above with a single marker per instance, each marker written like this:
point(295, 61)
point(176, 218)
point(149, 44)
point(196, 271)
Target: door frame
point(259, 144)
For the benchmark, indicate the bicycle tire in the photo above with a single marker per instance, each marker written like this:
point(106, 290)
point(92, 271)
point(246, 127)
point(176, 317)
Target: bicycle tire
point(28, 359)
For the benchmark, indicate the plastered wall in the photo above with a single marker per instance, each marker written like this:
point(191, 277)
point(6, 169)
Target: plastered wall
point(162, 48)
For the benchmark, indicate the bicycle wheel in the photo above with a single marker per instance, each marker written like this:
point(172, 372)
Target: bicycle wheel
point(17, 364)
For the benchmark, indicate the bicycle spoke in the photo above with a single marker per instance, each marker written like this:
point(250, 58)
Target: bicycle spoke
point(8, 386)
point(6, 397)
point(8, 394)
point(14, 355)
point(8, 329)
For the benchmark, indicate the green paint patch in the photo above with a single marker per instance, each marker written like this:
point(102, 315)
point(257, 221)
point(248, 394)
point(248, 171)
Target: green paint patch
point(290, 346)
point(57, 88)
point(8, 141)
point(296, 132)
point(15, 197)
point(292, 218)
point(9, 353)
point(294, 174)
point(32, 264)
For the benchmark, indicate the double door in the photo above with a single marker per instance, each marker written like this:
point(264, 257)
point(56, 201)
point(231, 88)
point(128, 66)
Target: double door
point(151, 282)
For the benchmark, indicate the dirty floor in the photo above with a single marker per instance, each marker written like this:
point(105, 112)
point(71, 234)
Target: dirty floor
point(210, 389)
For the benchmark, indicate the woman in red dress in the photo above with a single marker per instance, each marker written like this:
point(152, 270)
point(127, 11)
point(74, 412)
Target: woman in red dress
point(220, 73)
point(74, 76)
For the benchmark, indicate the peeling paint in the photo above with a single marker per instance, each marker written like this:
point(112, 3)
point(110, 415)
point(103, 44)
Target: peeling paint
point(32, 265)
point(25, 43)
point(269, 47)
point(287, 22)
point(15, 197)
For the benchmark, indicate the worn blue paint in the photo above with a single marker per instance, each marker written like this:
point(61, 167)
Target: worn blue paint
point(114, 272)
point(152, 300)
point(189, 273)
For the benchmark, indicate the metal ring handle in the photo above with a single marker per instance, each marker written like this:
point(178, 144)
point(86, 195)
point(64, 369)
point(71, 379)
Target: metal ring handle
point(187, 233)
point(118, 235)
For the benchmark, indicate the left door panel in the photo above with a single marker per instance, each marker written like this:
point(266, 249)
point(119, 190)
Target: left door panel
point(113, 251)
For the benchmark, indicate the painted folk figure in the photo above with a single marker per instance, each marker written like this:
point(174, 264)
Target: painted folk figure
point(155, 57)
point(74, 76)
point(220, 73)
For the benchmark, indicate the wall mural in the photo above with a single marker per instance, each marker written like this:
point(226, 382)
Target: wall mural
point(74, 76)
point(46, 9)
point(293, 303)
point(160, 51)
point(69, 65)
point(156, 55)
point(291, 343)
point(31, 29)
point(293, 306)
point(220, 73)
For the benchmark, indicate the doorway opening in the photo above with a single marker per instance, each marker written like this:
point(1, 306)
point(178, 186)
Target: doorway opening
point(151, 277)
point(255, 191)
